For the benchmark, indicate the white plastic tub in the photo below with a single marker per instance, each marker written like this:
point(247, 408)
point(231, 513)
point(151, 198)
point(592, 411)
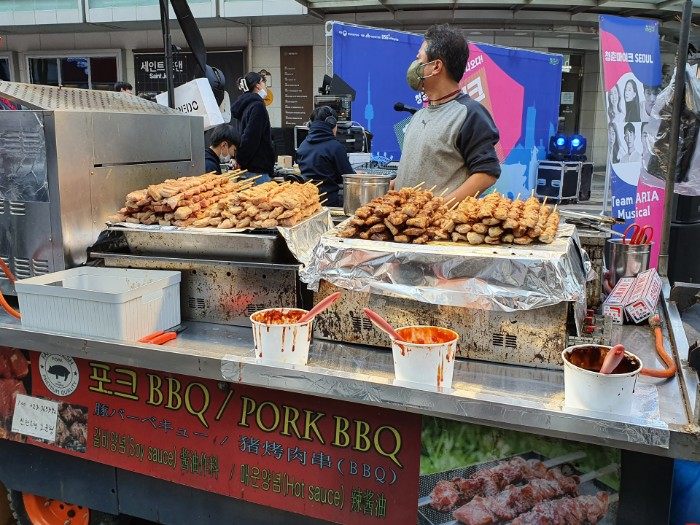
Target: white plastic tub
point(611, 393)
point(110, 303)
point(286, 344)
point(428, 365)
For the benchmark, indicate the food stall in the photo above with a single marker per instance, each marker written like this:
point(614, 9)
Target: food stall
point(220, 419)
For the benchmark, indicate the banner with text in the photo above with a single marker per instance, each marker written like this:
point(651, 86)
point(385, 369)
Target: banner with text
point(317, 457)
point(631, 62)
point(520, 88)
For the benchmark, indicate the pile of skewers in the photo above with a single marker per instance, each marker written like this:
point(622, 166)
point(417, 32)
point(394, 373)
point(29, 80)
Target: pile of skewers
point(414, 215)
point(409, 215)
point(496, 219)
point(269, 205)
point(220, 201)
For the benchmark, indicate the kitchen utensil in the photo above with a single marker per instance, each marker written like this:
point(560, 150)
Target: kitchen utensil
point(382, 324)
point(638, 234)
point(320, 307)
point(162, 336)
point(612, 359)
point(360, 188)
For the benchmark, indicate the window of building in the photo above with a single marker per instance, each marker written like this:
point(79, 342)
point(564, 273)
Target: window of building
point(99, 72)
point(4, 69)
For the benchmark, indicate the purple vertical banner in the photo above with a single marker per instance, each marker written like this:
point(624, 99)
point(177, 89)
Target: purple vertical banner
point(631, 62)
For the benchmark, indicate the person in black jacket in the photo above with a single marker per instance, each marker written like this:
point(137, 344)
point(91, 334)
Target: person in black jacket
point(321, 157)
point(222, 147)
point(255, 153)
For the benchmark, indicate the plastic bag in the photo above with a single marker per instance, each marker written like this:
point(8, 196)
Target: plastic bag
point(656, 133)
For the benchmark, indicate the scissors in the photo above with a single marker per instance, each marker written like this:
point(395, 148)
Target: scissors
point(638, 234)
point(162, 336)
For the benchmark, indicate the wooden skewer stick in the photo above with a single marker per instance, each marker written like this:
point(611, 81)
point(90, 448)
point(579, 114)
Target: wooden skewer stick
point(476, 194)
point(324, 201)
point(532, 194)
point(516, 198)
point(317, 183)
point(418, 185)
point(443, 192)
point(432, 188)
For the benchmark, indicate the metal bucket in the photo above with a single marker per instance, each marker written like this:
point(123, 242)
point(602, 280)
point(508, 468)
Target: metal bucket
point(626, 260)
point(360, 188)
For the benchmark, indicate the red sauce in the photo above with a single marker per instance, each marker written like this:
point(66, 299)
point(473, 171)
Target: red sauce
point(278, 317)
point(591, 358)
point(426, 335)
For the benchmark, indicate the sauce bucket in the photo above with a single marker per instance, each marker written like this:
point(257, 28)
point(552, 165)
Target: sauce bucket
point(589, 390)
point(281, 343)
point(426, 363)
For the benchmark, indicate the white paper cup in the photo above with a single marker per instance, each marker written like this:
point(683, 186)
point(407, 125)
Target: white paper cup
point(432, 364)
point(286, 344)
point(610, 393)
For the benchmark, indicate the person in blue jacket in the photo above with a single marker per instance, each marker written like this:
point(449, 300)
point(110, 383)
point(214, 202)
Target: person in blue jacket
point(321, 157)
point(256, 152)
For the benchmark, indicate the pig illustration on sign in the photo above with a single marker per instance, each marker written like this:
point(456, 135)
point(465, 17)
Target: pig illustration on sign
point(59, 371)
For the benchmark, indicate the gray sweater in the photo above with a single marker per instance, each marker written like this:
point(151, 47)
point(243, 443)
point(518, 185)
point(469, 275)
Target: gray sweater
point(445, 144)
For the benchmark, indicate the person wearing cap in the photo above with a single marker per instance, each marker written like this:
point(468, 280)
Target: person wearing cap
point(321, 157)
point(255, 152)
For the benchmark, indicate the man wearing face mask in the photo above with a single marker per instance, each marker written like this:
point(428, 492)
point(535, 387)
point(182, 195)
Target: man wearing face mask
point(451, 142)
point(222, 147)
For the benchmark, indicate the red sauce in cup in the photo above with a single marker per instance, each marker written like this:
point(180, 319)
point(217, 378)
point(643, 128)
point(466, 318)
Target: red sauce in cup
point(279, 317)
point(426, 335)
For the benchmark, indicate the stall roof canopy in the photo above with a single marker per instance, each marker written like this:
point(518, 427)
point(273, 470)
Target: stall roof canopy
point(462, 9)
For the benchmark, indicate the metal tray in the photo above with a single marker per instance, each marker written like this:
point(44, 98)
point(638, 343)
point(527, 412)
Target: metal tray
point(429, 516)
point(259, 246)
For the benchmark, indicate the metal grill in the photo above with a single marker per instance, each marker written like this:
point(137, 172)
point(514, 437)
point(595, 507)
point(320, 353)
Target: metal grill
point(6, 260)
point(2, 206)
point(56, 98)
point(361, 323)
point(252, 308)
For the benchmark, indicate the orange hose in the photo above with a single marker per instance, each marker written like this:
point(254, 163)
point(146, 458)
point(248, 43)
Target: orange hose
point(670, 371)
point(3, 302)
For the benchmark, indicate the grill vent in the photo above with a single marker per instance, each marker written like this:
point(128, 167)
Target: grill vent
point(360, 323)
point(18, 208)
point(252, 308)
point(2, 206)
point(504, 341)
point(40, 266)
point(6, 260)
point(23, 268)
point(195, 303)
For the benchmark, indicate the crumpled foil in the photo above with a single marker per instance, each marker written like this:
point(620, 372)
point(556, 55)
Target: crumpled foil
point(506, 278)
point(303, 238)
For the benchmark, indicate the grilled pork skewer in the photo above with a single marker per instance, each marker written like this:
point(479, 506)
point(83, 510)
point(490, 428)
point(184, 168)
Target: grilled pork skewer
point(447, 494)
point(567, 511)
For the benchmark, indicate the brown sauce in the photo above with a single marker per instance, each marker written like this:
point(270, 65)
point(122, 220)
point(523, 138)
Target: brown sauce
point(278, 317)
point(426, 335)
point(591, 358)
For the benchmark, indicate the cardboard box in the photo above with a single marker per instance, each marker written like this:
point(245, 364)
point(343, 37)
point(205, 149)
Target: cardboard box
point(642, 300)
point(614, 305)
point(284, 161)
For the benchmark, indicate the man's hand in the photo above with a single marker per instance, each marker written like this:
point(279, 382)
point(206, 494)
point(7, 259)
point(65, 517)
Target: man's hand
point(476, 183)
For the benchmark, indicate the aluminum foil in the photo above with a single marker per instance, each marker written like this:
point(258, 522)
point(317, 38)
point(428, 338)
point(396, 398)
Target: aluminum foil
point(505, 278)
point(303, 238)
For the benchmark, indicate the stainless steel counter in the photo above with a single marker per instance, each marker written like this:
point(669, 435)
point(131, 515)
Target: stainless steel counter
point(518, 398)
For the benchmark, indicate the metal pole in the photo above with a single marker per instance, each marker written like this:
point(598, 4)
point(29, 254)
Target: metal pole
point(678, 101)
point(168, 49)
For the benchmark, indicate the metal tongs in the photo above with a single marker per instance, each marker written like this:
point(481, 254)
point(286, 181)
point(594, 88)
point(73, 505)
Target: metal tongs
point(599, 223)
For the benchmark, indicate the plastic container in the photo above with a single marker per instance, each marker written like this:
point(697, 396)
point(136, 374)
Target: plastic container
point(110, 303)
point(609, 393)
point(286, 344)
point(428, 365)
